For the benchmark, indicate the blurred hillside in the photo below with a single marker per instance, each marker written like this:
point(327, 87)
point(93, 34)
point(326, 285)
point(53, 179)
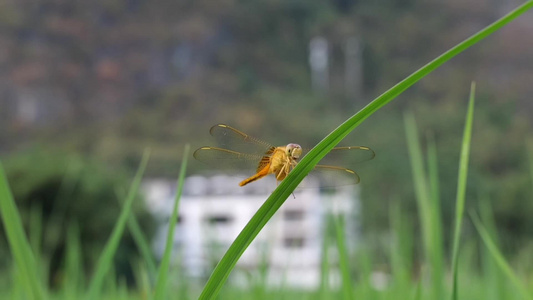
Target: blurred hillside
point(109, 78)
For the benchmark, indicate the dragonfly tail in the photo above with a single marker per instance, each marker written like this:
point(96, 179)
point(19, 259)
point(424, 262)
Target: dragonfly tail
point(259, 175)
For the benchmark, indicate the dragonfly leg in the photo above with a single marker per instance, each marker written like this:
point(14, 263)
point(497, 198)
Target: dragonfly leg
point(282, 173)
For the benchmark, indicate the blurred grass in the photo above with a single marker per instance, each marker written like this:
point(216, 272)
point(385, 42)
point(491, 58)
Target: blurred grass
point(520, 288)
point(344, 259)
point(461, 189)
point(162, 277)
point(104, 263)
point(401, 250)
point(427, 208)
point(27, 267)
point(27, 282)
point(142, 244)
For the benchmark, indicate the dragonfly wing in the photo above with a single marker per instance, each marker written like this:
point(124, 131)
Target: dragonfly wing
point(224, 158)
point(335, 176)
point(231, 138)
point(265, 160)
point(356, 154)
point(332, 176)
point(348, 155)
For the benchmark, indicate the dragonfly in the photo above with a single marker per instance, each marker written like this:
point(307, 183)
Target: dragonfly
point(239, 150)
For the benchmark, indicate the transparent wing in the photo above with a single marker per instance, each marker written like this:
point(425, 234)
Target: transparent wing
point(240, 151)
point(333, 176)
point(227, 159)
point(326, 175)
point(230, 138)
point(347, 155)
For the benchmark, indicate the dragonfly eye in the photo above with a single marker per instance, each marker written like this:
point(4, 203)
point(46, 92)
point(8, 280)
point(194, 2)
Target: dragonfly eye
point(294, 151)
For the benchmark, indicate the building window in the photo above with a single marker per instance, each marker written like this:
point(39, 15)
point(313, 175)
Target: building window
point(294, 242)
point(293, 215)
point(219, 219)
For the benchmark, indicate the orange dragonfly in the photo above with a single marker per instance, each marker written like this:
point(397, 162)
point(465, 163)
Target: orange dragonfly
point(242, 150)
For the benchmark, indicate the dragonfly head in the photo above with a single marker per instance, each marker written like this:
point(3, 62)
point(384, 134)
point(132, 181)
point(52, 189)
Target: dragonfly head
point(293, 151)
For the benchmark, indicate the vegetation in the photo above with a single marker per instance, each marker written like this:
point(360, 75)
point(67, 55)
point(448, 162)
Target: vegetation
point(56, 192)
point(122, 78)
point(493, 277)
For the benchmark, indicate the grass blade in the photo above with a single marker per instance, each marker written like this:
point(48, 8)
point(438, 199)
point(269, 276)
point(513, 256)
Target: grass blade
point(25, 262)
point(287, 186)
point(144, 284)
point(162, 278)
point(73, 263)
point(324, 289)
point(461, 188)
point(36, 224)
point(365, 269)
point(143, 245)
point(344, 260)
point(498, 257)
point(418, 291)
point(493, 277)
point(426, 208)
point(140, 240)
point(106, 258)
point(401, 251)
point(437, 256)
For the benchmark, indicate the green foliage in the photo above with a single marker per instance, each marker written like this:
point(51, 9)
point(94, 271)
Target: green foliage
point(27, 267)
point(162, 277)
point(71, 178)
point(105, 260)
point(403, 284)
point(248, 67)
point(344, 262)
point(428, 208)
point(500, 259)
point(287, 186)
point(461, 189)
point(58, 191)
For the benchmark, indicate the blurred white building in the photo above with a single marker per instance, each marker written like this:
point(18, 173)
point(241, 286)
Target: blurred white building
point(213, 210)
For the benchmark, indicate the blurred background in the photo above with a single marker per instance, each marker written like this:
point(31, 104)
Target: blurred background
point(86, 86)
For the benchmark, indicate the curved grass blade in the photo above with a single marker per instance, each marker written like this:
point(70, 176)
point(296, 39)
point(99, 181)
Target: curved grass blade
point(143, 245)
point(138, 237)
point(25, 262)
point(162, 277)
point(499, 258)
point(287, 186)
point(493, 277)
point(461, 188)
point(106, 258)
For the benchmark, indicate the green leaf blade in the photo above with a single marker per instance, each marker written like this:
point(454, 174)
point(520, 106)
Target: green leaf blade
point(105, 261)
point(162, 276)
point(19, 244)
point(461, 189)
